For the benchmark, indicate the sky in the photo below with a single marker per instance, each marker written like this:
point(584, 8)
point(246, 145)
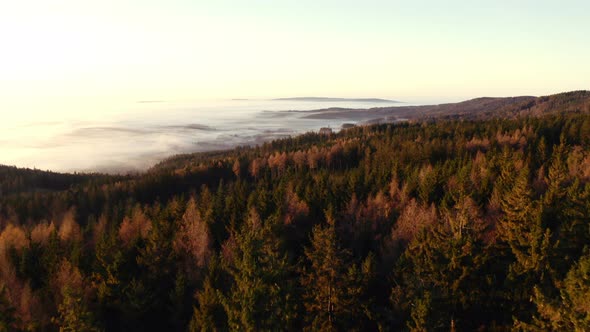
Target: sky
point(84, 57)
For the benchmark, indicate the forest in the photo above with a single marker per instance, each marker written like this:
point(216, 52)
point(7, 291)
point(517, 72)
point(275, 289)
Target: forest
point(447, 224)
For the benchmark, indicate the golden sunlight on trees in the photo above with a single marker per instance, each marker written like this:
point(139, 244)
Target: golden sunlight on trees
point(41, 232)
point(69, 230)
point(413, 219)
point(295, 208)
point(193, 236)
point(134, 227)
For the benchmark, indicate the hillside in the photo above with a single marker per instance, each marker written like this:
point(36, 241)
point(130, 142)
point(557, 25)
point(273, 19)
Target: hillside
point(473, 216)
point(479, 108)
point(20, 180)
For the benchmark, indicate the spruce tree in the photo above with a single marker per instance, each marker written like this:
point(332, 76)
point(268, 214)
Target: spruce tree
point(73, 313)
point(570, 309)
point(209, 313)
point(522, 229)
point(328, 280)
point(262, 293)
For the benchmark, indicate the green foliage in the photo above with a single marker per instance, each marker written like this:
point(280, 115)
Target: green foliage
point(570, 311)
point(209, 315)
point(73, 315)
point(334, 286)
point(442, 272)
point(522, 228)
point(262, 293)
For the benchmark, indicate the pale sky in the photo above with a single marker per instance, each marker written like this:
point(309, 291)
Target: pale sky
point(86, 55)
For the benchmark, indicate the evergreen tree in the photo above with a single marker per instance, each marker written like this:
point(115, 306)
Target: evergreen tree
point(209, 313)
point(73, 314)
point(522, 229)
point(442, 273)
point(262, 294)
point(328, 280)
point(529, 243)
point(570, 311)
point(152, 289)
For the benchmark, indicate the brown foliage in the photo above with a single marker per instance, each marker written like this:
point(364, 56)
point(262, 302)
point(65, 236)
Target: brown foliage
point(193, 236)
point(278, 161)
point(12, 237)
point(67, 276)
point(29, 308)
point(294, 207)
point(256, 166)
point(299, 159)
point(228, 248)
point(236, 168)
point(373, 214)
point(334, 155)
point(69, 230)
point(578, 163)
point(464, 217)
point(518, 138)
point(41, 232)
point(399, 194)
point(476, 144)
point(138, 225)
point(412, 220)
point(19, 293)
point(479, 169)
point(314, 157)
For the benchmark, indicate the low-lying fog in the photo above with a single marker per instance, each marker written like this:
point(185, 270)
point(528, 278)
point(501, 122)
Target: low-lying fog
point(149, 131)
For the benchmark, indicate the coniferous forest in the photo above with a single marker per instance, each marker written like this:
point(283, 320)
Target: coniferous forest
point(453, 223)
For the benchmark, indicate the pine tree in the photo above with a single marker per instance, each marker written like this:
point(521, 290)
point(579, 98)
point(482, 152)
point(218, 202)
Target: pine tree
point(107, 276)
point(564, 212)
point(529, 244)
point(421, 310)
point(328, 281)
point(156, 261)
point(209, 314)
point(442, 272)
point(73, 314)
point(206, 316)
point(570, 311)
point(522, 229)
point(262, 294)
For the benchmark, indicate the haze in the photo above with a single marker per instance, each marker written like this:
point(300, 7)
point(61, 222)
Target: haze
point(94, 61)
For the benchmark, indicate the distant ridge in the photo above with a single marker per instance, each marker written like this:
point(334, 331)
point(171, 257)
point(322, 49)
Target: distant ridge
point(328, 99)
point(473, 109)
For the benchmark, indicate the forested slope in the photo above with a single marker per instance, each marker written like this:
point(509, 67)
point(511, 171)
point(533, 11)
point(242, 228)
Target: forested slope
point(478, 108)
point(15, 180)
point(431, 225)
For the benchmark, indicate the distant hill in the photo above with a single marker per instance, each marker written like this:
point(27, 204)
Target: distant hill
point(479, 108)
point(327, 99)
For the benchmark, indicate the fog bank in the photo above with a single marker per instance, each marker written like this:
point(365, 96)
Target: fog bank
point(147, 132)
